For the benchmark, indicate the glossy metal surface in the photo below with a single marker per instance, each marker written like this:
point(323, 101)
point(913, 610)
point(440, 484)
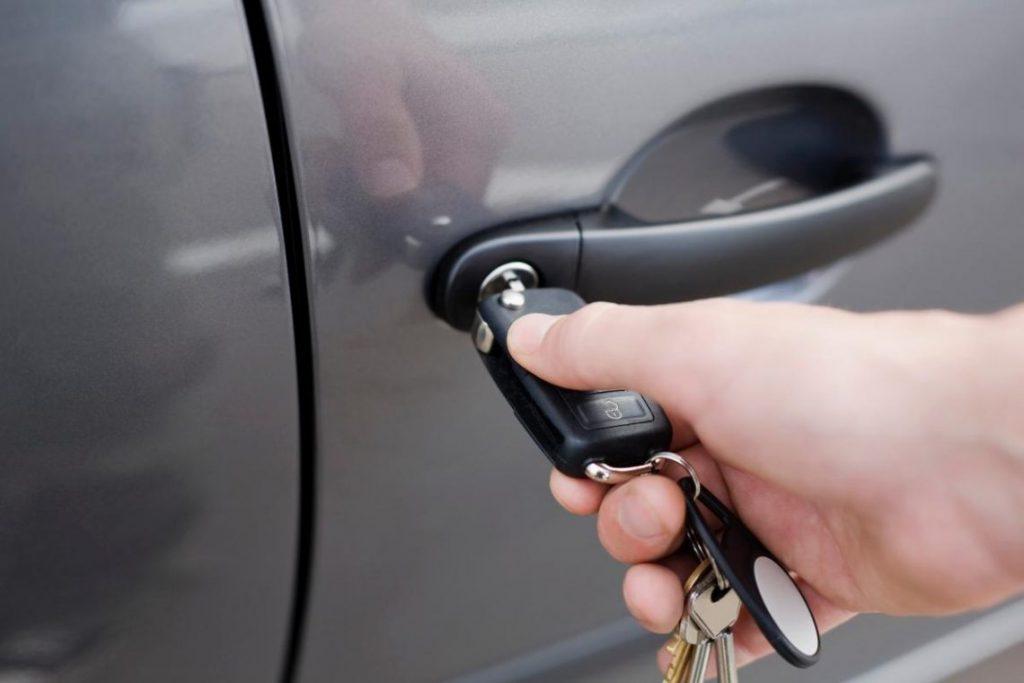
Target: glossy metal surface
point(495, 111)
point(148, 491)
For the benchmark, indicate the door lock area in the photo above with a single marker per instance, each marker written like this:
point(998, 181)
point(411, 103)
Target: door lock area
point(508, 281)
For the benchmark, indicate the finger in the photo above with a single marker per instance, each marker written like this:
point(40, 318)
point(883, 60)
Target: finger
point(665, 352)
point(600, 346)
point(584, 496)
point(578, 496)
point(682, 564)
point(654, 596)
point(642, 520)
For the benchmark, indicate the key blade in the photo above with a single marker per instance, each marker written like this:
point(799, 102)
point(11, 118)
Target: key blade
point(682, 652)
point(698, 664)
point(725, 655)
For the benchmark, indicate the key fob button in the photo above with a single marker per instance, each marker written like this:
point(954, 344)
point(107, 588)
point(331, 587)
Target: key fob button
point(599, 410)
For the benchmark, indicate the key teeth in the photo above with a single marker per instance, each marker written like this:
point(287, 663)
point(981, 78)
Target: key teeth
point(682, 652)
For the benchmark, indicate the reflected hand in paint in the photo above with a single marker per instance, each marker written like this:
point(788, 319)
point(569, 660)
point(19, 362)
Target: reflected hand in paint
point(412, 113)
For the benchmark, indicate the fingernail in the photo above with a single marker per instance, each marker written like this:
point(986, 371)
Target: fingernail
point(527, 333)
point(638, 518)
point(389, 177)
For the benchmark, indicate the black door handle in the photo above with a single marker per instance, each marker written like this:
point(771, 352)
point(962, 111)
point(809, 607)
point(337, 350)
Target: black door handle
point(658, 263)
point(702, 258)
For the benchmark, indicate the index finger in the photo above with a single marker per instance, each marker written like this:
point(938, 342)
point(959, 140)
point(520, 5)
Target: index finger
point(578, 496)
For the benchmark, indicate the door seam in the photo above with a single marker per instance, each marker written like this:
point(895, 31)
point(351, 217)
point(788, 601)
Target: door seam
point(302, 320)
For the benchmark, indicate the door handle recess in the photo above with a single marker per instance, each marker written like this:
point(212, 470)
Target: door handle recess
point(606, 260)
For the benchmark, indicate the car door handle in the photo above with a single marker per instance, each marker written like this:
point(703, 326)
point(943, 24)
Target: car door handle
point(605, 258)
point(696, 259)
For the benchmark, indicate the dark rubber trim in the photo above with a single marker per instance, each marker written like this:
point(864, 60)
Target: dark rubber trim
point(302, 319)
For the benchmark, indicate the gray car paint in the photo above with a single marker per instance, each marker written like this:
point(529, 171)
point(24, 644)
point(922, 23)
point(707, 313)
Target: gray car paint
point(148, 489)
point(438, 549)
point(148, 478)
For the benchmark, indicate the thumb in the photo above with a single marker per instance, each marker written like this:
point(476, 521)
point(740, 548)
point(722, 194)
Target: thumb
point(661, 351)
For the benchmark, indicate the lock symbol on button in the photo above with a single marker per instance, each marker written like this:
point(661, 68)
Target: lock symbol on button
point(612, 409)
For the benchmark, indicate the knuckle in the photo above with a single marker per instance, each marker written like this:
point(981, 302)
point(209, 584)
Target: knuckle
point(579, 331)
point(589, 316)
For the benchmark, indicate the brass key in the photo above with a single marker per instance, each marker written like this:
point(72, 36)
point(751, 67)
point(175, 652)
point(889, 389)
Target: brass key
point(685, 638)
point(682, 653)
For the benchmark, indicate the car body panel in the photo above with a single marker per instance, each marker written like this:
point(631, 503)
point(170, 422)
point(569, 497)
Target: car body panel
point(438, 551)
point(150, 479)
point(149, 476)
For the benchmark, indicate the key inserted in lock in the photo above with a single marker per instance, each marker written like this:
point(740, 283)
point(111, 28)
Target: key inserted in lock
point(618, 428)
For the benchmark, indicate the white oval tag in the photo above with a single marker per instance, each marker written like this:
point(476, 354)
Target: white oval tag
point(786, 605)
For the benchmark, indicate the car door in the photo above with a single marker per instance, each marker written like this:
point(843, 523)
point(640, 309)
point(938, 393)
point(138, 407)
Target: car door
point(436, 552)
point(149, 422)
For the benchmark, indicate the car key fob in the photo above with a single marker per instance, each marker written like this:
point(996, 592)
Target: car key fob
point(620, 428)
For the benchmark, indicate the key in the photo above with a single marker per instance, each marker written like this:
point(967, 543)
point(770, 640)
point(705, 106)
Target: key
point(699, 656)
point(686, 636)
point(620, 428)
point(725, 651)
point(700, 648)
point(682, 653)
point(714, 611)
point(698, 665)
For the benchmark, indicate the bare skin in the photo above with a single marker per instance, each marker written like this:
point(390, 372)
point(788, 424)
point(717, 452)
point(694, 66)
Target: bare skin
point(880, 456)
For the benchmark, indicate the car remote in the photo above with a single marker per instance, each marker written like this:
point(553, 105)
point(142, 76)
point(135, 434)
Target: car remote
point(619, 428)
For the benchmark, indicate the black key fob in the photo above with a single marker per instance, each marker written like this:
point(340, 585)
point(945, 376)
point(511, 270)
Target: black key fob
point(618, 427)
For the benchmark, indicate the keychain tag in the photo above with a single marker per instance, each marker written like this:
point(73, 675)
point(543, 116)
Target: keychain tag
point(763, 585)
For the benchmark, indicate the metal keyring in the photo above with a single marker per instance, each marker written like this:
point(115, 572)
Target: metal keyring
point(657, 463)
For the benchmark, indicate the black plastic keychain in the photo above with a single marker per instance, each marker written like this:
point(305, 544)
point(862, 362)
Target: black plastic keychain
point(762, 583)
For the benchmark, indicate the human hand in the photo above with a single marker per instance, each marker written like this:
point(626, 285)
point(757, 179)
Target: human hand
point(879, 456)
